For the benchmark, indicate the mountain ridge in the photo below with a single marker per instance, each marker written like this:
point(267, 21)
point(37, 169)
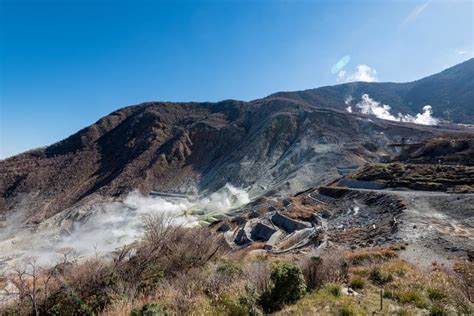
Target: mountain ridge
point(274, 146)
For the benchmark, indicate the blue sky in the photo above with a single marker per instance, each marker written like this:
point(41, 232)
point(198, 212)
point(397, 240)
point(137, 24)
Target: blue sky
point(65, 64)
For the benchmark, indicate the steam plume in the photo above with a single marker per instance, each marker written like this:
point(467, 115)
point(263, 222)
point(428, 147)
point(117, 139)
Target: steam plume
point(105, 227)
point(369, 106)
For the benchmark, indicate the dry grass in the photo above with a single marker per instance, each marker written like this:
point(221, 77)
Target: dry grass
point(190, 271)
point(373, 255)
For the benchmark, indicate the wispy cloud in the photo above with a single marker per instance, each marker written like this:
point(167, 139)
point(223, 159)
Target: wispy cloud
point(414, 14)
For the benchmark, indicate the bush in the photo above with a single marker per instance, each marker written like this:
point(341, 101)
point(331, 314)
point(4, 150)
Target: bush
point(411, 296)
point(357, 283)
point(231, 268)
point(435, 294)
point(248, 301)
point(438, 310)
point(380, 277)
point(334, 289)
point(288, 287)
point(150, 309)
point(375, 255)
point(348, 310)
point(318, 271)
point(389, 294)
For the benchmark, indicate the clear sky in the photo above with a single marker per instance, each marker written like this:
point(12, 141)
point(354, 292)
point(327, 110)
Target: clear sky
point(65, 64)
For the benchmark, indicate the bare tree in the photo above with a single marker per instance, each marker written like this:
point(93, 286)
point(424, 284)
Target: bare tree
point(27, 280)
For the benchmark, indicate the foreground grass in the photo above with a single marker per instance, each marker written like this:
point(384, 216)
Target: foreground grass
point(189, 271)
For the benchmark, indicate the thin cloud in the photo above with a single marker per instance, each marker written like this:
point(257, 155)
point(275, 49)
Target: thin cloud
point(414, 14)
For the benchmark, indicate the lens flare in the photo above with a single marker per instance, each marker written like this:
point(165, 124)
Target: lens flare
point(340, 64)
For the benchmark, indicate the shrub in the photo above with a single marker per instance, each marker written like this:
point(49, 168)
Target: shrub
point(231, 306)
point(375, 255)
point(438, 310)
point(318, 271)
point(404, 312)
point(150, 309)
point(348, 310)
point(435, 294)
point(334, 289)
point(389, 294)
point(231, 268)
point(288, 287)
point(380, 277)
point(258, 273)
point(357, 283)
point(248, 301)
point(411, 296)
point(464, 276)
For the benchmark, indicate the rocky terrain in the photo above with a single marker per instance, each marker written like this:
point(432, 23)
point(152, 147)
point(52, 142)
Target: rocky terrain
point(293, 176)
point(277, 145)
point(435, 226)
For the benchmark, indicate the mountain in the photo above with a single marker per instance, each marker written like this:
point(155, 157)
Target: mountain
point(449, 92)
point(273, 146)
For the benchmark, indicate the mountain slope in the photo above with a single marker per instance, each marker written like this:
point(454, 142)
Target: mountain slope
point(274, 146)
point(450, 93)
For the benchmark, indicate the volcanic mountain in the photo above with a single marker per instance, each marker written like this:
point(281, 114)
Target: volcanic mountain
point(277, 145)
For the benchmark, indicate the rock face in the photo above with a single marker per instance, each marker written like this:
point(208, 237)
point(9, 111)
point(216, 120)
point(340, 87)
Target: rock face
point(275, 146)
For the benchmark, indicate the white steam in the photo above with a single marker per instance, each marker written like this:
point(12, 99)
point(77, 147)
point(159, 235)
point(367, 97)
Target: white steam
point(105, 227)
point(348, 101)
point(369, 106)
point(363, 73)
point(425, 118)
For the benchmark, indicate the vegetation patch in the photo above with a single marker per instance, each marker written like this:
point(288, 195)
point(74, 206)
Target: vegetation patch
point(373, 255)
